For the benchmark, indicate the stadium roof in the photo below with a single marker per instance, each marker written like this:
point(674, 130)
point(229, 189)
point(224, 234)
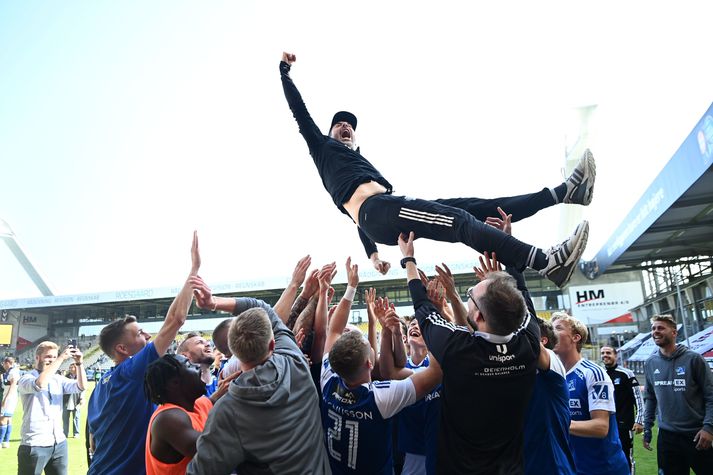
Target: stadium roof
point(674, 217)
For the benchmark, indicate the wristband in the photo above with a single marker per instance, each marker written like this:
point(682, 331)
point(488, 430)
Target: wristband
point(215, 306)
point(349, 293)
point(405, 260)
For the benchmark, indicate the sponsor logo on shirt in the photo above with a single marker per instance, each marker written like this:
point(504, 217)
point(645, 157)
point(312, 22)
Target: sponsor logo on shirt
point(501, 349)
point(600, 391)
point(679, 382)
point(656, 371)
point(680, 371)
point(344, 396)
point(617, 380)
point(501, 358)
point(575, 404)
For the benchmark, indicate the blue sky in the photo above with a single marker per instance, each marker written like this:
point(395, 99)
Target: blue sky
point(124, 126)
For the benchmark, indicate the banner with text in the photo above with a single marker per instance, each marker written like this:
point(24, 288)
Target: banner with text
point(605, 303)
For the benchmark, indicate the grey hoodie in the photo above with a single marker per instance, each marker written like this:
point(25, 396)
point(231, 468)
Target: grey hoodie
point(681, 385)
point(269, 421)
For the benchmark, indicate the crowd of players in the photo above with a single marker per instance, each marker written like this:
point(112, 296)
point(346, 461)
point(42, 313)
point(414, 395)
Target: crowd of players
point(485, 387)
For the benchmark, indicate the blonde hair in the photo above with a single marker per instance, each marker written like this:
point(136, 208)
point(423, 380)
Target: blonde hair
point(45, 346)
point(667, 319)
point(578, 328)
point(249, 335)
point(348, 355)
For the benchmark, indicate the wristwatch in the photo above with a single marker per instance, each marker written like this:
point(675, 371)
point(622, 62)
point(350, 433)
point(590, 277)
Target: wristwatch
point(405, 260)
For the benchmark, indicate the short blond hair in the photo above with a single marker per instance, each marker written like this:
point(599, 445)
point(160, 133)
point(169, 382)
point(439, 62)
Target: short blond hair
point(667, 319)
point(578, 328)
point(349, 354)
point(249, 336)
point(46, 346)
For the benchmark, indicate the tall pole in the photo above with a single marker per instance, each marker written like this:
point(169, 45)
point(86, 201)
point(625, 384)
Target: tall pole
point(682, 310)
point(7, 235)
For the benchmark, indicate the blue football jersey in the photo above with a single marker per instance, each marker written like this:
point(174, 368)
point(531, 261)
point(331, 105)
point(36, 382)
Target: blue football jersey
point(591, 389)
point(357, 422)
point(547, 449)
point(411, 420)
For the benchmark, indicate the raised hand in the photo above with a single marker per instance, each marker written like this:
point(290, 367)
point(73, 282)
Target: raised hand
point(370, 298)
point(289, 58)
point(325, 276)
point(406, 244)
point(381, 308)
point(503, 223)
point(445, 277)
point(436, 292)
point(352, 273)
point(487, 265)
point(298, 275)
point(202, 293)
point(195, 255)
point(311, 285)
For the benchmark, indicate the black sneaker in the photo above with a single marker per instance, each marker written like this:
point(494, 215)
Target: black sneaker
point(580, 184)
point(564, 257)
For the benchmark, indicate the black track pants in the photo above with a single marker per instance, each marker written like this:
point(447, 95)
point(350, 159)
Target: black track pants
point(384, 217)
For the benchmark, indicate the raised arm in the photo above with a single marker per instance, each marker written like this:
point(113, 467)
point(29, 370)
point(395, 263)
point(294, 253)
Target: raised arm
point(284, 339)
point(309, 130)
point(309, 290)
point(389, 322)
point(49, 370)
point(305, 321)
point(437, 331)
point(341, 315)
point(445, 277)
point(178, 311)
point(370, 299)
point(287, 299)
point(321, 313)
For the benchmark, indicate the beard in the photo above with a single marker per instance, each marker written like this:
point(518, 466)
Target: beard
point(205, 360)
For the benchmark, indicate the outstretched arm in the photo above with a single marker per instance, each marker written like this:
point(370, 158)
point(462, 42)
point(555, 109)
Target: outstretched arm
point(309, 130)
point(287, 299)
point(308, 291)
point(321, 313)
point(437, 331)
point(389, 322)
point(178, 311)
point(445, 277)
point(341, 315)
point(370, 299)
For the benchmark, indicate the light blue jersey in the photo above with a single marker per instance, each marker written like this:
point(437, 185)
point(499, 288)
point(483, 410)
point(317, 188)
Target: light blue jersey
point(591, 389)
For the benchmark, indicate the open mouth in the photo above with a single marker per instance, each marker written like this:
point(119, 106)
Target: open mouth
point(346, 134)
point(414, 334)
